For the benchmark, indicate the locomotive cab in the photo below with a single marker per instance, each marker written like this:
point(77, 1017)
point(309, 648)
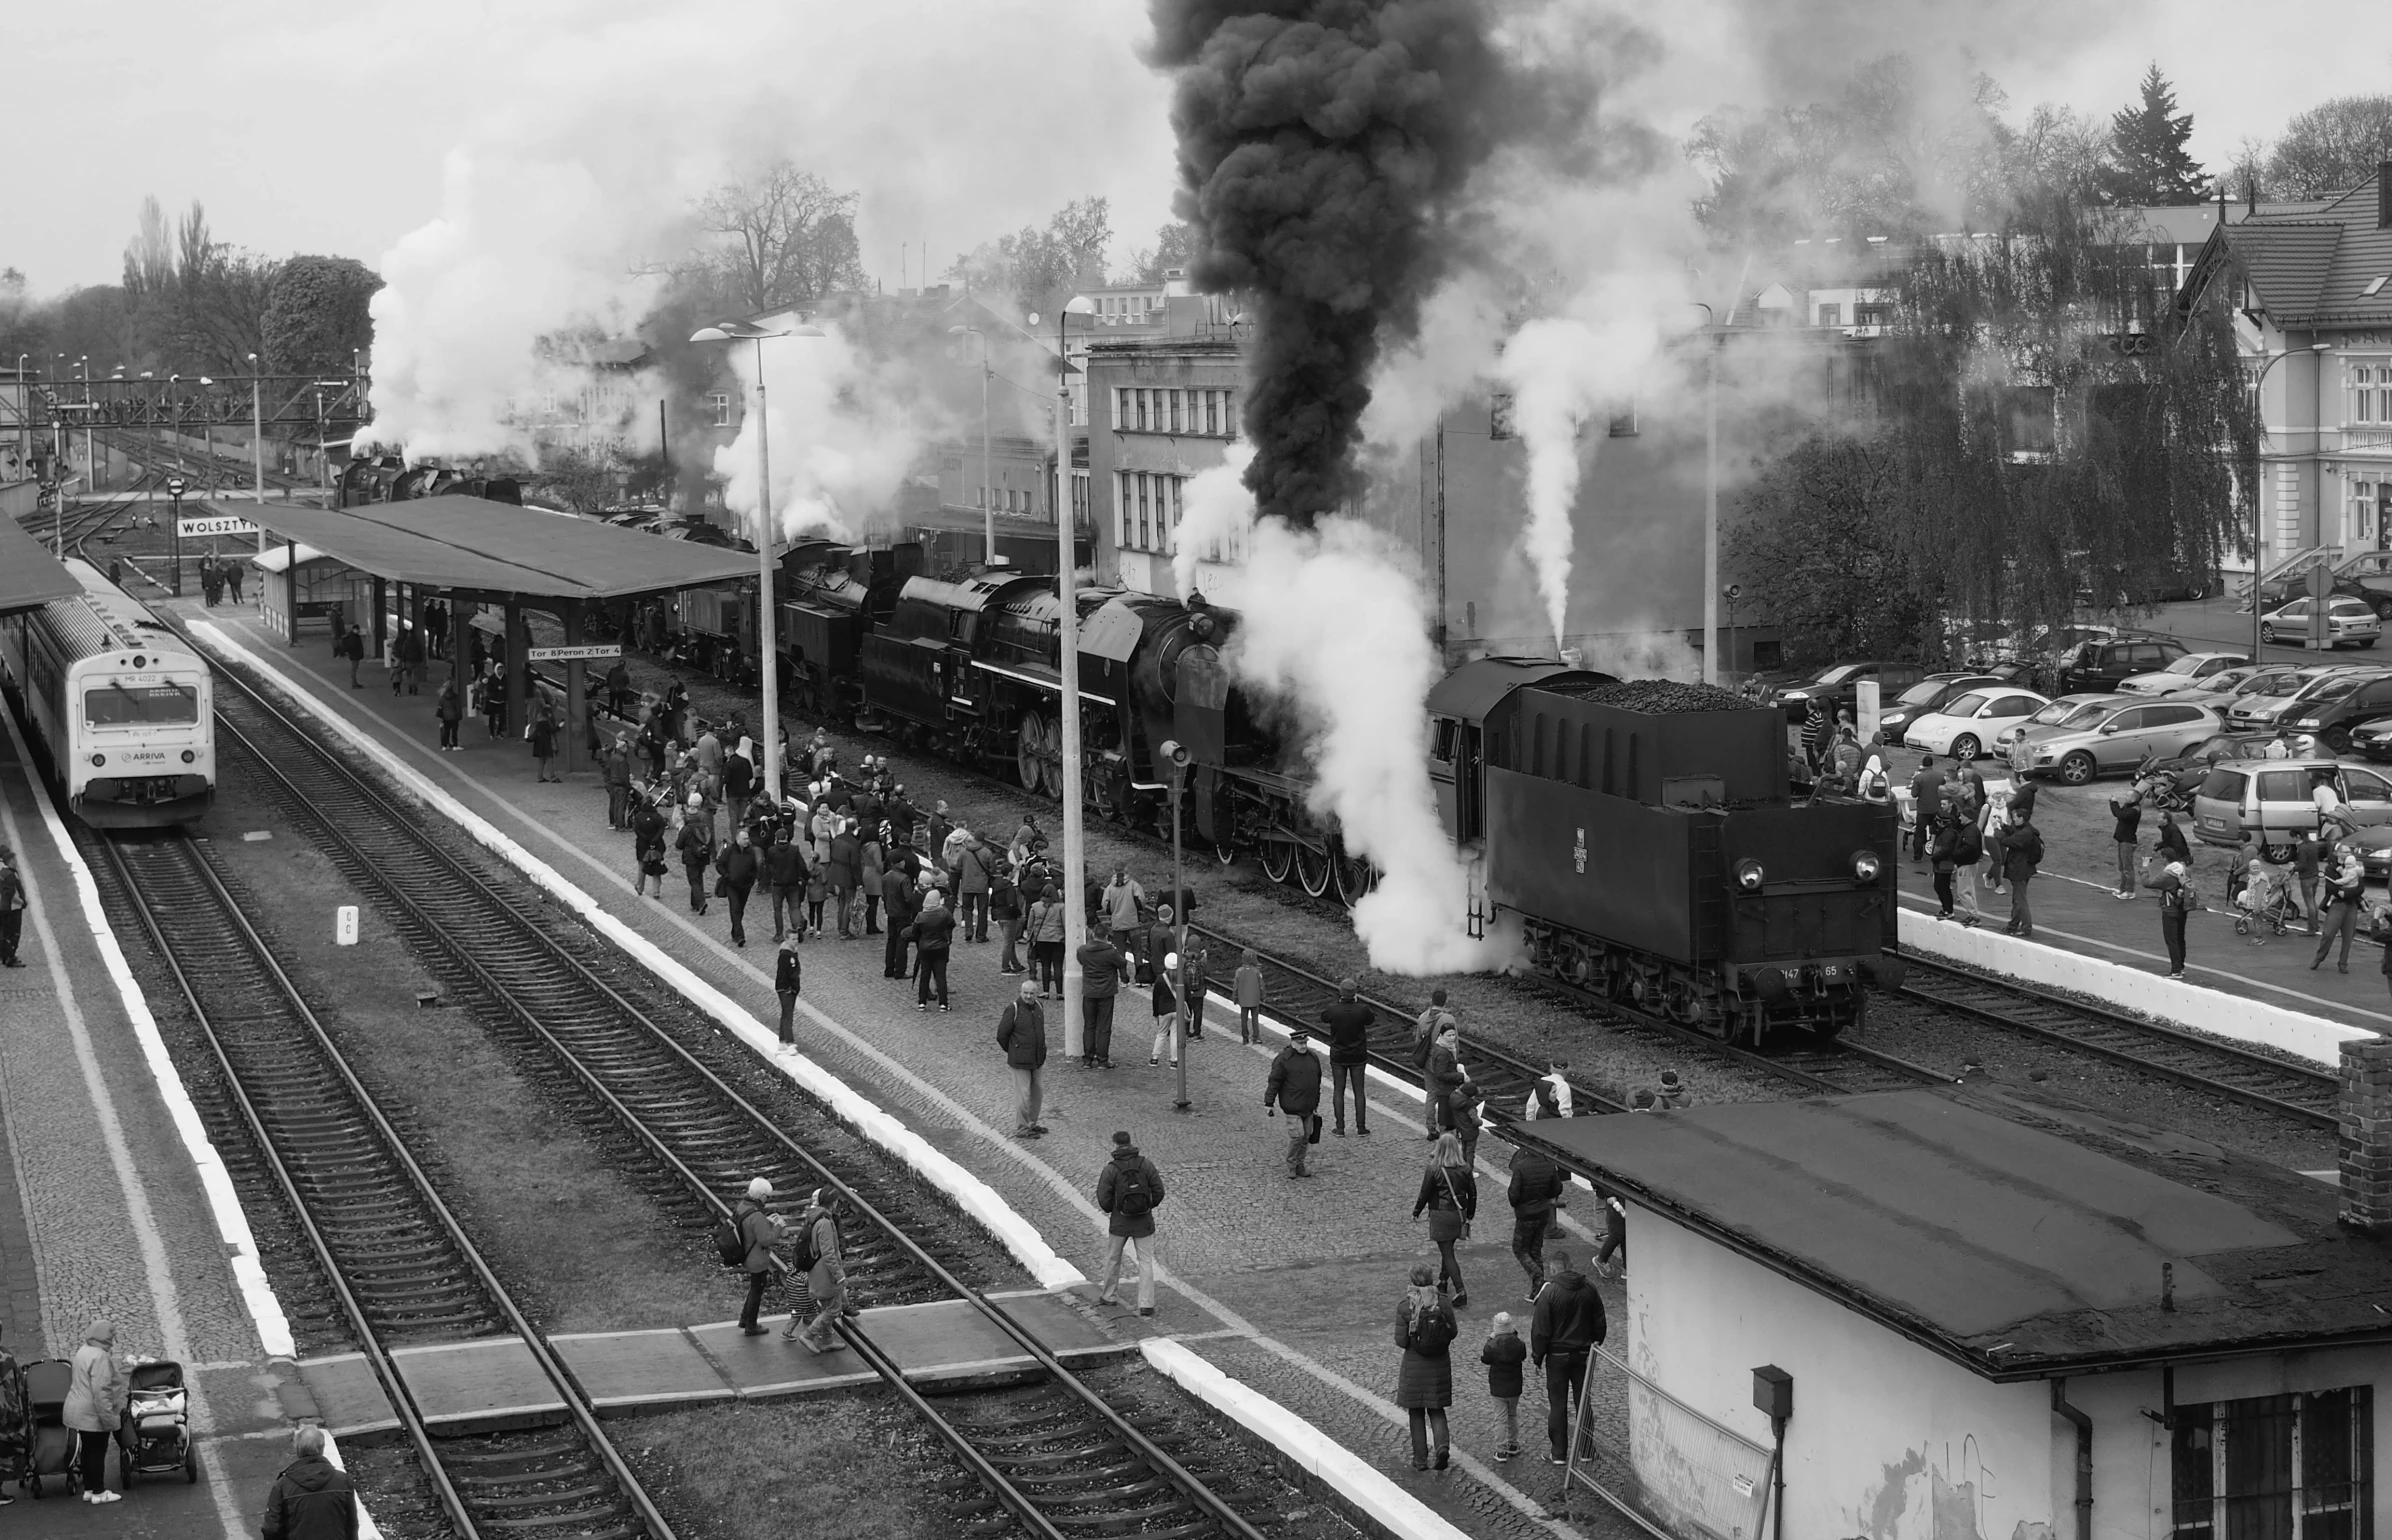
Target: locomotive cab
point(1458, 706)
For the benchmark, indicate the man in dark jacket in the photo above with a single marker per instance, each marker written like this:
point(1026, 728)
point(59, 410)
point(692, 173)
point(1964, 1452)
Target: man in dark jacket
point(901, 902)
point(351, 646)
point(1569, 1325)
point(618, 689)
point(761, 1231)
point(695, 842)
point(934, 933)
point(1100, 983)
point(1129, 1190)
point(311, 1500)
point(1296, 1087)
point(616, 771)
point(1537, 1189)
point(738, 867)
point(788, 975)
point(2022, 852)
point(1349, 1022)
point(785, 870)
point(1021, 1032)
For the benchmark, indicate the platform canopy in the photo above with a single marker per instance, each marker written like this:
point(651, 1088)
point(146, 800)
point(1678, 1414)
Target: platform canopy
point(478, 546)
point(30, 576)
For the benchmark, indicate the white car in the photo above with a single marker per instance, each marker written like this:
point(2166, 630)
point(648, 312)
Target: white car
point(2190, 672)
point(1968, 726)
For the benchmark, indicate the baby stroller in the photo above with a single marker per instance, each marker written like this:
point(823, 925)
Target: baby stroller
point(53, 1452)
point(157, 1428)
point(2267, 903)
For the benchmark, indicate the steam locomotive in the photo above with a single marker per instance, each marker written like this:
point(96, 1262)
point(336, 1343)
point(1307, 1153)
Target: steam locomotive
point(390, 479)
point(1641, 834)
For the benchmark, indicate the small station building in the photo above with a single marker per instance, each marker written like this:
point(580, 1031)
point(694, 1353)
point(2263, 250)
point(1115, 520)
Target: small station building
point(378, 565)
point(1988, 1318)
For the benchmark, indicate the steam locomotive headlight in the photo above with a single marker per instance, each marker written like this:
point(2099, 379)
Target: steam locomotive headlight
point(1748, 875)
point(189, 756)
point(98, 760)
point(1865, 865)
point(140, 661)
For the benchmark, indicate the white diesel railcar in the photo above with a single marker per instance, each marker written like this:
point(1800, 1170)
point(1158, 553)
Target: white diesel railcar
point(125, 710)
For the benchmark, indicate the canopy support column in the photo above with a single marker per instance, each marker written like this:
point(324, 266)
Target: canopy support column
point(577, 700)
point(519, 667)
point(381, 621)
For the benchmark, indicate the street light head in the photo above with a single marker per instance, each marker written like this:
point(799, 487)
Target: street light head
point(206, 380)
point(1079, 304)
point(710, 334)
point(2321, 347)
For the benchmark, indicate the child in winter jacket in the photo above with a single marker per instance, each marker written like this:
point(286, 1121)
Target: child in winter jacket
point(1249, 998)
point(1503, 1355)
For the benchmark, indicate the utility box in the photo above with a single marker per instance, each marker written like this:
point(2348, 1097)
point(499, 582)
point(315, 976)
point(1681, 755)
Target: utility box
point(1773, 1393)
point(344, 925)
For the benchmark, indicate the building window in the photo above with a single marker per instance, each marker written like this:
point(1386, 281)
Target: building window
point(1121, 407)
point(1175, 409)
point(2363, 523)
point(1868, 315)
point(1121, 509)
point(1143, 406)
point(2273, 1467)
point(1499, 416)
point(720, 403)
point(1145, 512)
point(1212, 413)
point(1831, 315)
point(1623, 424)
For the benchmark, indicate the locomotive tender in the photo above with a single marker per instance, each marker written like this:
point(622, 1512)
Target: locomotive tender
point(1641, 832)
point(126, 712)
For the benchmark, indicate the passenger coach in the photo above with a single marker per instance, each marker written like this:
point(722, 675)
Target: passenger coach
point(125, 711)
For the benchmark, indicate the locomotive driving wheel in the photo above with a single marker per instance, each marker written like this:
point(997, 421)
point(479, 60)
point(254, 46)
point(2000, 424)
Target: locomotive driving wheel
point(1354, 875)
point(1278, 859)
point(1313, 870)
point(1030, 751)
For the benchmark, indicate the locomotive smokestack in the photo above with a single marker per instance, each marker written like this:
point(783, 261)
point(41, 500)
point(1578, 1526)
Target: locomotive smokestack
point(1320, 145)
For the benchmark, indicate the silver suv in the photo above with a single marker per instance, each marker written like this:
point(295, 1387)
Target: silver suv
point(2272, 800)
point(2118, 736)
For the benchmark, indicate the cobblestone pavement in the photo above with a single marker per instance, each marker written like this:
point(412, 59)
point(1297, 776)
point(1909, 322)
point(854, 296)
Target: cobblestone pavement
point(138, 1246)
point(1313, 1266)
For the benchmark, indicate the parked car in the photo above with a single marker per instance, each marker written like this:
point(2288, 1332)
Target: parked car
point(2221, 687)
point(2119, 736)
point(2104, 663)
point(1965, 726)
point(2168, 585)
point(2272, 800)
point(1838, 684)
point(2370, 572)
point(2373, 740)
point(2282, 589)
point(2348, 621)
point(2259, 702)
point(2336, 704)
point(2186, 673)
point(2186, 771)
point(2055, 713)
point(1929, 694)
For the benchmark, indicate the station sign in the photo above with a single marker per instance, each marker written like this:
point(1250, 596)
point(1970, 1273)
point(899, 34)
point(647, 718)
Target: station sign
point(215, 525)
point(593, 653)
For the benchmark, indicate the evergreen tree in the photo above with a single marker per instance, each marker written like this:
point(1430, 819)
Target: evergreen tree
point(2147, 162)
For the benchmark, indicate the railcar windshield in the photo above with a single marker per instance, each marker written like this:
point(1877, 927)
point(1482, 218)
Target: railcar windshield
point(117, 705)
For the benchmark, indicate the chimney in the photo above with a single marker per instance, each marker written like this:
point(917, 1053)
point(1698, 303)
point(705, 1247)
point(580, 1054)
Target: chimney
point(2365, 1139)
point(2383, 195)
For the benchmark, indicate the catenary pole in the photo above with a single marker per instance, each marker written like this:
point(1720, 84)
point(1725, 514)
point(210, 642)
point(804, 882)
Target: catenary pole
point(1075, 860)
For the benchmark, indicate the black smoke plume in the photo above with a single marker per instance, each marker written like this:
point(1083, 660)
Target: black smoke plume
point(1322, 148)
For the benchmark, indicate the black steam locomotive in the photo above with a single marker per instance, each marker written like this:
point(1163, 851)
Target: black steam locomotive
point(1640, 833)
point(390, 479)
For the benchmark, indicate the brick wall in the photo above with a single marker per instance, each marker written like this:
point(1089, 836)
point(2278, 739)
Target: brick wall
point(2365, 1155)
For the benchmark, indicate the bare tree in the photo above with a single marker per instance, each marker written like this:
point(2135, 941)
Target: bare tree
point(1032, 263)
point(2332, 147)
point(782, 237)
point(149, 256)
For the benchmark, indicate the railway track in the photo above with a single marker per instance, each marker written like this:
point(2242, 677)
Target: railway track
point(1056, 1460)
point(401, 1266)
point(2238, 1074)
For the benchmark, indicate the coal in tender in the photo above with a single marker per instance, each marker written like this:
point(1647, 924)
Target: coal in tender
point(1662, 697)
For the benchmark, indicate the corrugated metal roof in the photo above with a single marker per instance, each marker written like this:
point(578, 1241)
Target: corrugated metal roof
point(473, 543)
point(30, 576)
point(2021, 1238)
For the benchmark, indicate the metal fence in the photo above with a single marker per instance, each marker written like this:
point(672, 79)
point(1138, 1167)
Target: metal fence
point(1680, 1475)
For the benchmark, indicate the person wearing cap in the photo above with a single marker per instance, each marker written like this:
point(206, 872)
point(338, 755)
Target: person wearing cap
point(1671, 1095)
point(1295, 1089)
point(1349, 1022)
point(1021, 1032)
point(1166, 1008)
point(826, 1280)
point(788, 978)
point(95, 1405)
point(1129, 1190)
point(761, 1230)
point(312, 1499)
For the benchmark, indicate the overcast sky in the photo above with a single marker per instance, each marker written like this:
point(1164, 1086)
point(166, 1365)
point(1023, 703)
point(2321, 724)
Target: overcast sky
point(330, 127)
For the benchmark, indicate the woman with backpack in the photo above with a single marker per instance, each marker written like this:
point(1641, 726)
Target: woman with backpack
point(1449, 1192)
point(1944, 852)
point(1425, 1329)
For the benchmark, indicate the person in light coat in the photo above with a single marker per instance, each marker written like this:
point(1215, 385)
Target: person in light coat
point(95, 1406)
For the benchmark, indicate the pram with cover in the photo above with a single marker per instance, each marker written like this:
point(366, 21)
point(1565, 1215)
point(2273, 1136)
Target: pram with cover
point(53, 1452)
point(156, 1434)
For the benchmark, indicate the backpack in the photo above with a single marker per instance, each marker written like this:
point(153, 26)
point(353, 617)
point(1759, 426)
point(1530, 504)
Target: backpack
point(1969, 848)
point(804, 1257)
point(730, 1240)
point(1433, 1329)
point(1132, 1197)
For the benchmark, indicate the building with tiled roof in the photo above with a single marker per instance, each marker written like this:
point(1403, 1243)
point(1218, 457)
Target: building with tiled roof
point(2312, 293)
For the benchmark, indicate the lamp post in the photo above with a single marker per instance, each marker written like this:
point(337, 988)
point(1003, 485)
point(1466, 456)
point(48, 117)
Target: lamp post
point(2258, 531)
point(24, 414)
point(207, 430)
point(988, 502)
point(1710, 497)
point(767, 625)
point(1075, 859)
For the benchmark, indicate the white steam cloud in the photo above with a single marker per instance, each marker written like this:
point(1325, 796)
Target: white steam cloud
point(1217, 513)
point(842, 435)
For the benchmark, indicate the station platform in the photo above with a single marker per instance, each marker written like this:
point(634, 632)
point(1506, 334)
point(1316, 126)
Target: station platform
point(2076, 909)
point(103, 1212)
point(1289, 1286)
point(492, 1383)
